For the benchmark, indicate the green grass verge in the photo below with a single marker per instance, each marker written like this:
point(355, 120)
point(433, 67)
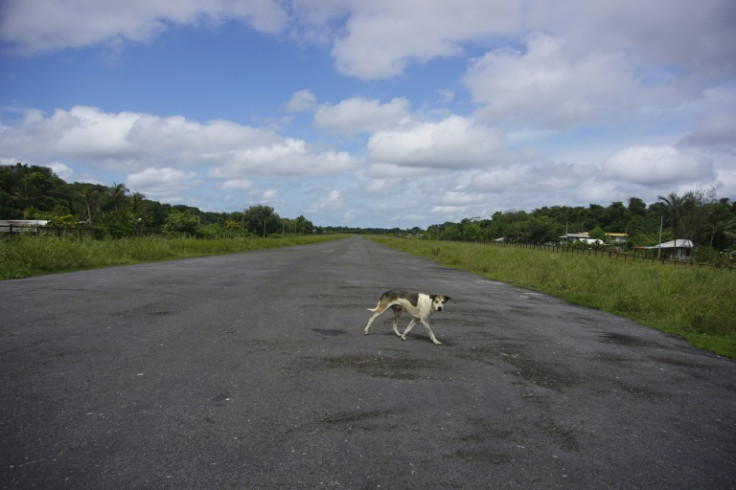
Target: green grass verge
point(696, 304)
point(27, 256)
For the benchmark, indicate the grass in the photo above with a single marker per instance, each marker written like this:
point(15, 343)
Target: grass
point(697, 304)
point(25, 256)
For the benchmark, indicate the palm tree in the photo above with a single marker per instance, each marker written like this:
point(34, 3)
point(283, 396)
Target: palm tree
point(136, 201)
point(674, 205)
point(117, 194)
point(90, 196)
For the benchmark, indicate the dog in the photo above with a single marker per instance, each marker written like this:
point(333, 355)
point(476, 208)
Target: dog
point(419, 305)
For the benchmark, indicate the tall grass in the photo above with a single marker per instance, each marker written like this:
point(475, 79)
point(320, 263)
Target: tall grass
point(24, 256)
point(694, 303)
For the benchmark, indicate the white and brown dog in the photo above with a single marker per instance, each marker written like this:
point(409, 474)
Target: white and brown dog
point(419, 305)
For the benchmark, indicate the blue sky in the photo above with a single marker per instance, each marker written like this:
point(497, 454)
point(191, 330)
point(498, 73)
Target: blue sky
point(374, 114)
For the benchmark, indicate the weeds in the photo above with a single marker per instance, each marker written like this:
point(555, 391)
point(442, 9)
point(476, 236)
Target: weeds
point(24, 256)
point(697, 304)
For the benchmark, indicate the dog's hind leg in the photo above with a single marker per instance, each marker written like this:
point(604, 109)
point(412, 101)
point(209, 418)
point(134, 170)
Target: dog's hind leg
point(397, 313)
point(408, 328)
point(378, 312)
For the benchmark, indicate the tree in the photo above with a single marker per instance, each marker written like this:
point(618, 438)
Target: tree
point(117, 195)
point(91, 198)
point(637, 206)
point(181, 222)
point(674, 204)
point(598, 234)
point(261, 220)
point(303, 225)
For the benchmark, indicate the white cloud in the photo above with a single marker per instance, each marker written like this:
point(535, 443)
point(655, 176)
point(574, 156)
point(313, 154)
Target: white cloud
point(61, 170)
point(238, 184)
point(138, 141)
point(498, 180)
point(382, 36)
point(290, 157)
point(657, 165)
point(356, 115)
point(547, 86)
point(166, 184)
point(301, 101)
point(327, 200)
point(32, 26)
point(454, 142)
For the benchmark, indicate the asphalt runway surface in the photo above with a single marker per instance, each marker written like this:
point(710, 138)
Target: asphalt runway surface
point(251, 371)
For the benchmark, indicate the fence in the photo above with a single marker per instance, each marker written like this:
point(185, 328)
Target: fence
point(10, 230)
point(611, 254)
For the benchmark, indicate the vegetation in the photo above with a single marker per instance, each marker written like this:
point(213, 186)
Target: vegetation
point(33, 192)
point(694, 303)
point(30, 255)
point(708, 222)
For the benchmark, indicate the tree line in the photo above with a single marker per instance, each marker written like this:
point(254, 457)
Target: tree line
point(36, 192)
point(710, 223)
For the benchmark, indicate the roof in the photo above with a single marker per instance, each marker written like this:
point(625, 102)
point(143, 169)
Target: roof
point(23, 222)
point(681, 243)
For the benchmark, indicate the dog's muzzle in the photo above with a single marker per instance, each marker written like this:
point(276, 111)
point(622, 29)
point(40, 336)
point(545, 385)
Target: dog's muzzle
point(439, 308)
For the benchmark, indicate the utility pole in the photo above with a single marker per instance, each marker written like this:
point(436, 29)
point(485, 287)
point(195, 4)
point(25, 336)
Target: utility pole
point(659, 247)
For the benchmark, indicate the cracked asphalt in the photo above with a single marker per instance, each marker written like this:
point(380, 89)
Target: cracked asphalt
point(251, 371)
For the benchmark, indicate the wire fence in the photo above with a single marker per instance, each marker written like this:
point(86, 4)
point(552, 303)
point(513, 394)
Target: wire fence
point(612, 253)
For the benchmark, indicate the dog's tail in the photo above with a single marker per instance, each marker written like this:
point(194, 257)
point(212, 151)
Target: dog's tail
point(378, 306)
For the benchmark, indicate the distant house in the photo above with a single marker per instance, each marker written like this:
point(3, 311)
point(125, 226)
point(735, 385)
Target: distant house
point(617, 238)
point(570, 238)
point(20, 225)
point(680, 249)
point(583, 237)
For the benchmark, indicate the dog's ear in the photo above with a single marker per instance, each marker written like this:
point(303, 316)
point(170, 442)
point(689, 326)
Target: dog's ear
point(447, 298)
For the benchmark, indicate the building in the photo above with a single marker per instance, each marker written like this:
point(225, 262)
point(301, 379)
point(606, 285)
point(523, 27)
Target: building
point(21, 225)
point(583, 237)
point(680, 249)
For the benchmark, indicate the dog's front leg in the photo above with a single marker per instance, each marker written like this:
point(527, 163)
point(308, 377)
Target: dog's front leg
point(431, 334)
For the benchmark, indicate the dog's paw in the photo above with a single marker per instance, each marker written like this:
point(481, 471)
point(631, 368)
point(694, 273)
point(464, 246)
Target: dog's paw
point(437, 342)
point(403, 337)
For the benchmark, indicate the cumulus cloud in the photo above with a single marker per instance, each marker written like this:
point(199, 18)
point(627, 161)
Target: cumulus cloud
point(381, 37)
point(454, 142)
point(327, 200)
point(547, 86)
point(301, 101)
point(657, 165)
point(138, 141)
point(238, 184)
point(31, 26)
point(290, 157)
point(358, 115)
point(164, 184)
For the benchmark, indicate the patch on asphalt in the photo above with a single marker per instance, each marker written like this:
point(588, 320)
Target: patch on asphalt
point(330, 332)
point(621, 339)
point(376, 366)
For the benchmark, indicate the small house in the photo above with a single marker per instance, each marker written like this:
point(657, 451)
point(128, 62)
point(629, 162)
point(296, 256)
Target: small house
point(679, 249)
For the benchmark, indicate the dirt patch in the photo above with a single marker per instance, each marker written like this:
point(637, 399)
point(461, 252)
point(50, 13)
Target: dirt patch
point(330, 332)
point(374, 366)
point(562, 437)
point(621, 339)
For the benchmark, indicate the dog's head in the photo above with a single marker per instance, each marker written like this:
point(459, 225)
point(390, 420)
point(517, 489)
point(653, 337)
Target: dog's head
point(438, 301)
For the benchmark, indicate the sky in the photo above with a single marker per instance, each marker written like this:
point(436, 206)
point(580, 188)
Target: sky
point(381, 113)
